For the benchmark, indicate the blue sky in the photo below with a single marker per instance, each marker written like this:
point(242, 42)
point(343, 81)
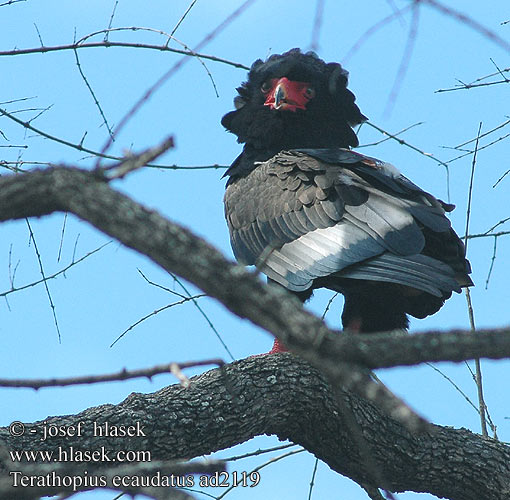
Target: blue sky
point(101, 297)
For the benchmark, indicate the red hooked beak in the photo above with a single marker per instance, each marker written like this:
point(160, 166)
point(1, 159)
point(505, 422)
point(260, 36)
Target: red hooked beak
point(288, 95)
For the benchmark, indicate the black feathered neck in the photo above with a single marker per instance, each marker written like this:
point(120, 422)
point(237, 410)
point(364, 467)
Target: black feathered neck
point(326, 122)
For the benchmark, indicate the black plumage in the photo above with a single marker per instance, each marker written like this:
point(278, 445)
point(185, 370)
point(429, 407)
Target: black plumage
point(311, 213)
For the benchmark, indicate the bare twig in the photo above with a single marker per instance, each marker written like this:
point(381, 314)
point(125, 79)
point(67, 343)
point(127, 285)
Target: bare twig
point(373, 29)
point(481, 136)
point(480, 148)
point(261, 466)
point(154, 313)
point(468, 21)
point(92, 93)
point(61, 244)
point(39, 35)
point(396, 134)
point(312, 480)
point(406, 58)
point(160, 32)
point(107, 44)
point(405, 143)
point(418, 150)
point(10, 2)
point(79, 147)
point(493, 259)
point(259, 452)
point(478, 367)
point(501, 178)
point(470, 192)
point(317, 24)
point(112, 377)
point(168, 74)
point(467, 86)
point(44, 279)
point(110, 23)
point(179, 22)
point(135, 161)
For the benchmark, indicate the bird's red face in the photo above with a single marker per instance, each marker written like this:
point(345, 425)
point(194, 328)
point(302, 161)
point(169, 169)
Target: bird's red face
point(287, 95)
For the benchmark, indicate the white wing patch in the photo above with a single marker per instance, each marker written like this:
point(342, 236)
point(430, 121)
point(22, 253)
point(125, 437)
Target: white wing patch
point(318, 253)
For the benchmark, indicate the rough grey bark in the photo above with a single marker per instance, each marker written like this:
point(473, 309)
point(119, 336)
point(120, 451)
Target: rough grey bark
point(276, 395)
point(282, 395)
point(88, 195)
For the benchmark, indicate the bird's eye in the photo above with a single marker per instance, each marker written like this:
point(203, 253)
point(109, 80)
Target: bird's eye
point(266, 86)
point(310, 92)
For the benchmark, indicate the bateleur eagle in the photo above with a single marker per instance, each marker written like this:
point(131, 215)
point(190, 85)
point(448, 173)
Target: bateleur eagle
point(312, 213)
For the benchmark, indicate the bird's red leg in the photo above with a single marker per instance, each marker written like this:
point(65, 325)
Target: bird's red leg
point(354, 325)
point(277, 347)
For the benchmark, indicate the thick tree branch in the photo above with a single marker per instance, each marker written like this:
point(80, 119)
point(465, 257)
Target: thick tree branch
point(88, 195)
point(283, 395)
point(176, 249)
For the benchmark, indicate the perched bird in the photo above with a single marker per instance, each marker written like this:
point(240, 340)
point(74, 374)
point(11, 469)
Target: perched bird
point(312, 213)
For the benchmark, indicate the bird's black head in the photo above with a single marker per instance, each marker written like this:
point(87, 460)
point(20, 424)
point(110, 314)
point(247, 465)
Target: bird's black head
point(295, 100)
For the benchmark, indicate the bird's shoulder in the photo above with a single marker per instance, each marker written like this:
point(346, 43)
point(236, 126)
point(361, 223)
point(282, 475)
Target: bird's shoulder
point(291, 180)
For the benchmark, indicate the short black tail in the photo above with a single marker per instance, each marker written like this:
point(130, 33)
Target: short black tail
point(374, 310)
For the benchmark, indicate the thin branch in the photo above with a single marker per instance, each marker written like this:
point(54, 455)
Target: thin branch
point(179, 22)
point(168, 74)
point(9, 165)
point(92, 93)
point(469, 21)
point(406, 58)
point(261, 466)
point(160, 32)
point(455, 386)
point(110, 23)
point(414, 148)
point(108, 44)
point(204, 315)
point(405, 143)
point(467, 86)
point(373, 492)
point(39, 35)
point(493, 259)
point(133, 162)
point(396, 134)
point(501, 222)
point(312, 480)
point(480, 148)
point(154, 313)
point(478, 366)
point(111, 377)
point(10, 2)
point(476, 83)
point(481, 136)
point(79, 147)
point(373, 29)
point(258, 452)
point(317, 24)
point(44, 280)
point(328, 305)
point(470, 191)
point(14, 289)
point(62, 233)
point(501, 178)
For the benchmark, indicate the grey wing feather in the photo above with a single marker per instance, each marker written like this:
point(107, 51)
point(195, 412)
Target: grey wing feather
point(307, 214)
point(417, 271)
